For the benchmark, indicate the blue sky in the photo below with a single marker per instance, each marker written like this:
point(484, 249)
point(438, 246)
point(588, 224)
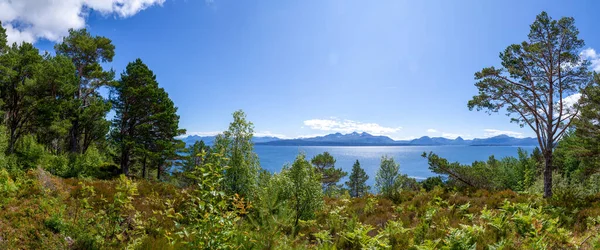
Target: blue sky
point(299, 68)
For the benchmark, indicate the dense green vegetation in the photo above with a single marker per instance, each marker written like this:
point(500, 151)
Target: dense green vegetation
point(70, 178)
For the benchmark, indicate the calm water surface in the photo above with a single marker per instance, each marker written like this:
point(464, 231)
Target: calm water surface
point(273, 158)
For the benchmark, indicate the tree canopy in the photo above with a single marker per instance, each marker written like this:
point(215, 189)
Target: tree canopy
point(534, 82)
point(357, 182)
point(236, 143)
point(146, 121)
point(87, 52)
point(325, 165)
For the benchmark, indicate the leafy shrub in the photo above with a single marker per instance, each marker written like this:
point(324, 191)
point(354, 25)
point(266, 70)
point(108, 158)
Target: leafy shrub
point(507, 173)
point(432, 182)
point(7, 185)
point(55, 223)
point(29, 152)
point(207, 220)
point(56, 164)
point(271, 216)
point(87, 164)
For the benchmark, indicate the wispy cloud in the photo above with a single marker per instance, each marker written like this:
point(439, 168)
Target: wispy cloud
point(349, 126)
point(495, 132)
point(594, 58)
point(30, 20)
point(435, 132)
point(269, 134)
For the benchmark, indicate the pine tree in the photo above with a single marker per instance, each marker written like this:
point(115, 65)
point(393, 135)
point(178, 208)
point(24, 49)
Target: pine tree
point(325, 165)
point(57, 85)
point(20, 67)
point(88, 120)
point(357, 183)
point(146, 122)
point(3, 40)
point(535, 78)
point(587, 127)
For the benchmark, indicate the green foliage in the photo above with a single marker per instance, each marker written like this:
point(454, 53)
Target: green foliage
point(3, 40)
point(197, 155)
point(54, 124)
point(20, 69)
point(146, 122)
point(29, 153)
point(272, 214)
point(54, 102)
point(243, 166)
point(7, 185)
point(207, 220)
point(530, 85)
point(57, 164)
point(306, 195)
point(357, 182)
point(579, 149)
point(386, 176)
point(87, 164)
point(431, 182)
point(4, 161)
point(359, 238)
point(125, 213)
point(507, 173)
point(330, 176)
point(89, 109)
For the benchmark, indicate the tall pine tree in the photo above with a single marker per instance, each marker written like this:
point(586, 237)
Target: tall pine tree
point(357, 183)
point(87, 52)
point(20, 66)
point(146, 122)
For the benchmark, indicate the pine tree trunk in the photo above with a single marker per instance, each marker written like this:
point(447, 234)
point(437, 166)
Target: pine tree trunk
point(125, 162)
point(11, 142)
point(74, 144)
point(548, 174)
point(158, 172)
point(144, 174)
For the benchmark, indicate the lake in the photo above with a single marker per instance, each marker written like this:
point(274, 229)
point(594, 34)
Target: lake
point(273, 158)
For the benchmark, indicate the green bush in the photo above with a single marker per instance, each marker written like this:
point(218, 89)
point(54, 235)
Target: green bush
point(29, 153)
point(87, 164)
point(432, 182)
point(7, 185)
point(56, 164)
point(55, 223)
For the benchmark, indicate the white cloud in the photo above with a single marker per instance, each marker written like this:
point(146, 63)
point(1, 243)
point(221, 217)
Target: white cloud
point(591, 55)
point(496, 132)
point(571, 100)
point(446, 134)
point(349, 126)
point(269, 134)
point(30, 20)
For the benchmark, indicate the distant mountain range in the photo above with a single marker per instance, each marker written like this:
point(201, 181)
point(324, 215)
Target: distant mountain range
point(366, 139)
